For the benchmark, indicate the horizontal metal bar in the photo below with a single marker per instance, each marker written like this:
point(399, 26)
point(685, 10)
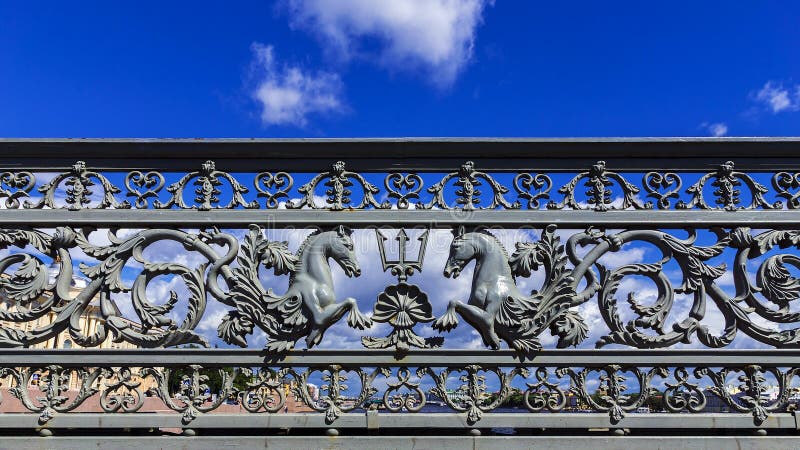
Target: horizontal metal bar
point(594, 441)
point(149, 218)
point(401, 420)
point(404, 153)
point(382, 358)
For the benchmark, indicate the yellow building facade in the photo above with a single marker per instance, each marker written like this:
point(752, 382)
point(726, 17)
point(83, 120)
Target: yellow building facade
point(89, 322)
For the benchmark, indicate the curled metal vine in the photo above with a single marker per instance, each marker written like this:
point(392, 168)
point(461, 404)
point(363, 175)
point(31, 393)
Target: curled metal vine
point(595, 188)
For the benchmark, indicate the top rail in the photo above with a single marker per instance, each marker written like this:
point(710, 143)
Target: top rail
point(420, 154)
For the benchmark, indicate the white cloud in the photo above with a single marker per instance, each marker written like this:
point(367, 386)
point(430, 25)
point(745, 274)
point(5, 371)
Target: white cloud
point(778, 98)
point(436, 36)
point(717, 129)
point(630, 255)
point(288, 94)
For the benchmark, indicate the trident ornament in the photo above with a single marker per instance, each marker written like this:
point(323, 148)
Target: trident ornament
point(402, 268)
point(402, 305)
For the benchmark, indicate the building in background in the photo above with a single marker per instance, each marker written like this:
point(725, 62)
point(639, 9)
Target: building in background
point(90, 321)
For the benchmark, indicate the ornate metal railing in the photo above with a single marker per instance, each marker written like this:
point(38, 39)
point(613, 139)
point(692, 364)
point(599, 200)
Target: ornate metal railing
point(610, 278)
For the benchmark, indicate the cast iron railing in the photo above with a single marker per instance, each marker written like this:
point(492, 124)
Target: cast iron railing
point(702, 236)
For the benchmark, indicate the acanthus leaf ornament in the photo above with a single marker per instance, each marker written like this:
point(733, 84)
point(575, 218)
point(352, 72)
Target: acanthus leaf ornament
point(727, 194)
point(334, 376)
point(612, 388)
point(611, 396)
point(191, 395)
point(338, 192)
point(52, 382)
point(752, 387)
point(468, 179)
point(761, 301)
point(214, 189)
point(207, 182)
point(474, 399)
point(737, 275)
point(78, 193)
point(598, 182)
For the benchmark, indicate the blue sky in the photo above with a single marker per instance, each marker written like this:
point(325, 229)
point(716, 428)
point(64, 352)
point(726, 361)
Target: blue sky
point(370, 68)
point(307, 68)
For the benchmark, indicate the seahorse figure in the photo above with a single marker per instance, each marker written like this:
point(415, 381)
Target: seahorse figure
point(309, 306)
point(496, 308)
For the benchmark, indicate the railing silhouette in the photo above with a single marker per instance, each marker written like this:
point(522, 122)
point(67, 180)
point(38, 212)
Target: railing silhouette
point(605, 279)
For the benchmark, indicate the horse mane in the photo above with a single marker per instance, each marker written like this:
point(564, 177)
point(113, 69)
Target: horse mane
point(496, 241)
point(298, 266)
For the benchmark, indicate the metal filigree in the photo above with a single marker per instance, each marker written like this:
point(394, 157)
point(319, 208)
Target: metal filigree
point(403, 393)
point(611, 388)
point(214, 189)
point(761, 308)
point(338, 192)
point(598, 182)
point(533, 188)
point(78, 193)
point(727, 194)
point(690, 278)
point(498, 310)
point(544, 393)
point(31, 281)
point(121, 392)
point(52, 382)
point(264, 391)
point(14, 185)
point(273, 187)
point(143, 186)
point(752, 385)
point(207, 182)
point(333, 402)
point(468, 196)
point(403, 188)
point(475, 400)
point(662, 187)
point(190, 394)
point(684, 395)
point(473, 389)
point(784, 183)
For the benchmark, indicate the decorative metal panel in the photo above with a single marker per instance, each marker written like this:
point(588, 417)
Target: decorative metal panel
point(545, 254)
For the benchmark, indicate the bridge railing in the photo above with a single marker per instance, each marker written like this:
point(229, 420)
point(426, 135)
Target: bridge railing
point(400, 284)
